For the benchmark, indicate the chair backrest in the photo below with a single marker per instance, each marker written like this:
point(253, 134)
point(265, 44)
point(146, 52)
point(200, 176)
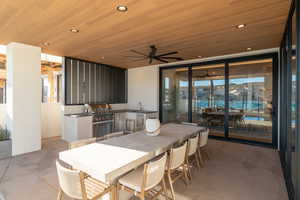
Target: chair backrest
point(193, 145)
point(115, 134)
point(203, 138)
point(188, 123)
point(69, 181)
point(80, 143)
point(100, 138)
point(177, 156)
point(154, 172)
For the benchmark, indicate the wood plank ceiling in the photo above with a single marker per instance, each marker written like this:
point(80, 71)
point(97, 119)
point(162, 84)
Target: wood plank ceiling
point(192, 27)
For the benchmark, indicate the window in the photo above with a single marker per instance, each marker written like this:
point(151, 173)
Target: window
point(2, 91)
point(59, 88)
point(45, 89)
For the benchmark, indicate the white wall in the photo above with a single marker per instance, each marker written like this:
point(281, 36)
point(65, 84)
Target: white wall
point(143, 86)
point(24, 97)
point(51, 120)
point(2, 115)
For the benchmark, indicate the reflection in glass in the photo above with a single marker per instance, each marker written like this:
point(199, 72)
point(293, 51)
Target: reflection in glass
point(2, 91)
point(208, 97)
point(175, 95)
point(250, 100)
point(293, 102)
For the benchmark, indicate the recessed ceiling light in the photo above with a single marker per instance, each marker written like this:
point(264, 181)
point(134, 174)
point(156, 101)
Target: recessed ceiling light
point(122, 8)
point(46, 43)
point(240, 26)
point(249, 49)
point(74, 30)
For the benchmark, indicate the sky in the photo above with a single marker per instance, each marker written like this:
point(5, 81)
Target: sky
point(222, 82)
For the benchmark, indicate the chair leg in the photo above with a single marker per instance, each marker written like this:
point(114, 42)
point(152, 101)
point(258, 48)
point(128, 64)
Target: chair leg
point(164, 188)
point(142, 196)
point(59, 196)
point(188, 168)
point(186, 178)
point(206, 154)
point(113, 193)
point(197, 160)
point(171, 186)
point(200, 158)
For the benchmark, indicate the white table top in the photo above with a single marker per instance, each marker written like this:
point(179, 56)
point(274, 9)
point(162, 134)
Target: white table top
point(109, 159)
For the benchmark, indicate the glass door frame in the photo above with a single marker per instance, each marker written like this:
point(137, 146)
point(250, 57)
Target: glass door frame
point(286, 148)
point(226, 62)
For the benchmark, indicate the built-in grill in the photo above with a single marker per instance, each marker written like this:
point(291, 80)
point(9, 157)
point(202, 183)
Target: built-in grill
point(103, 122)
point(102, 114)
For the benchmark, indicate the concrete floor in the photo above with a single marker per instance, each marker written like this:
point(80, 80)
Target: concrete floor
point(235, 172)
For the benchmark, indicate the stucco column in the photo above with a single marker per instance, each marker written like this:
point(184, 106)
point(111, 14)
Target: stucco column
point(24, 97)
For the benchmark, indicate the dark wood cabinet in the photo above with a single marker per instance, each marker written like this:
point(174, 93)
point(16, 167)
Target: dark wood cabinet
point(93, 83)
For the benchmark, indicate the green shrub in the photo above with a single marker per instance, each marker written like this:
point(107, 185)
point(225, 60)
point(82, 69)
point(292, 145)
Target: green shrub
point(4, 134)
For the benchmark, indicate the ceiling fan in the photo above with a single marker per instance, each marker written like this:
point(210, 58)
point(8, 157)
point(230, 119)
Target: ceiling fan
point(153, 56)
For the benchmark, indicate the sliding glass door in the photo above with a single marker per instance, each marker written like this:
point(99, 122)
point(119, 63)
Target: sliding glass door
point(235, 98)
point(208, 97)
point(293, 104)
point(289, 102)
point(174, 95)
point(250, 115)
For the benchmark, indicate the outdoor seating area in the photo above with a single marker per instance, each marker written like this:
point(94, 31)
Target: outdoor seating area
point(162, 100)
point(37, 171)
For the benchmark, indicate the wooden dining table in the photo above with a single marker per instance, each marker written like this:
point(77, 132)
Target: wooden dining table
point(108, 160)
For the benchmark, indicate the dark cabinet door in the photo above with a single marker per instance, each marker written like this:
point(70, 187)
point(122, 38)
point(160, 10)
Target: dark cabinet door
point(120, 85)
point(81, 82)
point(68, 81)
point(114, 85)
point(74, 82)
point(98, 84)
point(87, 82)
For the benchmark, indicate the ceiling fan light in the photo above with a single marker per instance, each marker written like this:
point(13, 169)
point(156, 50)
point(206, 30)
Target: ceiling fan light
point(74, 30)
point(240, 26)
point(122, 8)
point(46, 44)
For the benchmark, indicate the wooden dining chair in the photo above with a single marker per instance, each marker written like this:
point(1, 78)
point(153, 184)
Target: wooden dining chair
point(176, 167)
point(202, 146)
point(192, 154)
point(78, 185)
point(143, 181)
point(100, 138)
point(115, 134)
point(190, 124)
point(83, 142)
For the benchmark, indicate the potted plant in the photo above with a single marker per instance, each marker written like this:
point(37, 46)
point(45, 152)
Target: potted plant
point(5, 143)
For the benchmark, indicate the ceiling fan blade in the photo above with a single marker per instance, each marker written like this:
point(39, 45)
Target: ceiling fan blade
point(134, 56)
point(150, 60)
point(175, 58)
point(139, 59)
point(161, 60)
point(166, 54)
point(134, 51)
